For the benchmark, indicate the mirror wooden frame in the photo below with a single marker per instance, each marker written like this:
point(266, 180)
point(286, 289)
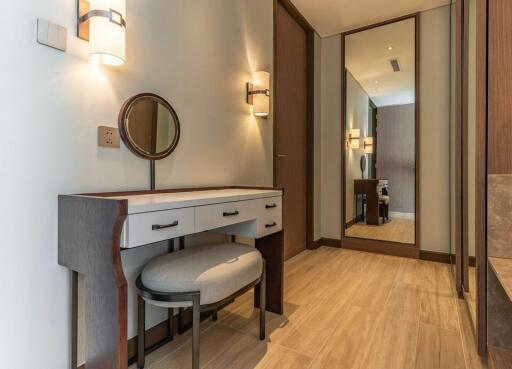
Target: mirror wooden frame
point(123, 129)
point(382, 246)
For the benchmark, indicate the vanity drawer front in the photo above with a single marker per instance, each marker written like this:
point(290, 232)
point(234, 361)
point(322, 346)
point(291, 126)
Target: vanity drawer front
point(269, 215)
point(144, 228)
point(221, 215)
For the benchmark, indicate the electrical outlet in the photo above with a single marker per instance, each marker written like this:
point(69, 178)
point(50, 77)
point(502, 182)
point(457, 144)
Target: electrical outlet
point(108, 137)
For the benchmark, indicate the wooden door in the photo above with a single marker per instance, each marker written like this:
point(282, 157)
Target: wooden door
point(290, 118)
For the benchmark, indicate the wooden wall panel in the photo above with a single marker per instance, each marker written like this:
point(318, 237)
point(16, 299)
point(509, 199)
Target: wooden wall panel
point(396, 154)
point(500, 87)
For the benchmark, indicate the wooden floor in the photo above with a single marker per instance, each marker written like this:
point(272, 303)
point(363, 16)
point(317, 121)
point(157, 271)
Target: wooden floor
point(397, 230)
point(343, 309)
point(471, 294)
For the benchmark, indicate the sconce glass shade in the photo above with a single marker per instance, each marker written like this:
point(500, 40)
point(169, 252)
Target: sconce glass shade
point(261, 99)
point(368, 145)
point(353, 138)
point(107, 36)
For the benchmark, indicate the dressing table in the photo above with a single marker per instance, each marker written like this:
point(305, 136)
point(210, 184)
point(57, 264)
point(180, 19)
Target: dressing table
point(95, 228)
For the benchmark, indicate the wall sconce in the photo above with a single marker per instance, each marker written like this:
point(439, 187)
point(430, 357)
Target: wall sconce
point(368, 145)
point(353, 138)
point(258, 94)
point(103, 24)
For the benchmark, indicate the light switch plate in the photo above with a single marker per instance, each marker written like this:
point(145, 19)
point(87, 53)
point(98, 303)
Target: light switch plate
point(52, 35)
point(108, 137)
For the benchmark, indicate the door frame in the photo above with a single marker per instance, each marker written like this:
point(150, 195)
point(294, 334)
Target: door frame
point(310, 121)
point(380, 246)
point(462, 259)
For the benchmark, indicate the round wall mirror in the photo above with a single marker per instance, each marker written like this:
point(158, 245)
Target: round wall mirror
point(149, 126)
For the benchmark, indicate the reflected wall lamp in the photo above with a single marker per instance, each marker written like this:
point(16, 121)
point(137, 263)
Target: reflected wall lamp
point(368, 145)
point(258, 94)
point(103, 24)
point(353, 138)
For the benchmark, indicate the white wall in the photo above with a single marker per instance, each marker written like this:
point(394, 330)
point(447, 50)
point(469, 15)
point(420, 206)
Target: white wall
point(435, 124)
point(197, 54)
point(331, 137)
point(358, 103)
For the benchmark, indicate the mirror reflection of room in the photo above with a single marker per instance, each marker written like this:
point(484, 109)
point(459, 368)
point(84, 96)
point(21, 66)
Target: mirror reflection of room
point(380, 170)
point(469, 166)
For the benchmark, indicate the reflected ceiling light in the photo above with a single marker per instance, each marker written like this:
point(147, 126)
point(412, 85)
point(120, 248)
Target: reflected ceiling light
point(368, 145)
point(390, 48)
point(103, 24)
point(258, 94)
point(353, 138)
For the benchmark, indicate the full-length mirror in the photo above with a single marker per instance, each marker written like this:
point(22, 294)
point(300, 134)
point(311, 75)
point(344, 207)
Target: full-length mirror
point(469, 150)
point(380, 153)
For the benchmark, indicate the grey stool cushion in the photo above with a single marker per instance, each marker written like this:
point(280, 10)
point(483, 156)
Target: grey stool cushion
point(216, 270)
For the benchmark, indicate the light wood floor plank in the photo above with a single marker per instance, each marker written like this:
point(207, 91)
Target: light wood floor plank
point(347, 346)
point(393, 344)
point(397, 230)
point(439, 348)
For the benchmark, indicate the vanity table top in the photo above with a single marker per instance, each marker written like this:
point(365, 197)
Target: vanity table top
point(154, 201)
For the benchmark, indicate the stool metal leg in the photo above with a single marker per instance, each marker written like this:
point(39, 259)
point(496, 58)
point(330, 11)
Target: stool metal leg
point(263, 293)
point(141, 333)
point(196, 320)
point(181, 322)
point(170, 323)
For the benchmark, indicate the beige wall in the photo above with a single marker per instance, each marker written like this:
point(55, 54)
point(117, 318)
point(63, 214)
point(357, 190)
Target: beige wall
point(331, 136)
point(435, 125)
point(435, 130)
point(198, 54)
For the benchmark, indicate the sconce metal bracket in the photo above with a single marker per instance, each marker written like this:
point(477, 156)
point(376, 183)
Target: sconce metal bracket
point(84, 14)
point(82, 29)
point(251, 93)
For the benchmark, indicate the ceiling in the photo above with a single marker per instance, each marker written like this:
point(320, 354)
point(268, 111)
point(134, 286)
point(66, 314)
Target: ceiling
point(329, 17)
point(368, 60)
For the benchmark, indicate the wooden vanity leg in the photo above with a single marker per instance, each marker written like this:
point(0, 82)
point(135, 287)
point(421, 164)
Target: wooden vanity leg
point(272, 249)
point(89, 243)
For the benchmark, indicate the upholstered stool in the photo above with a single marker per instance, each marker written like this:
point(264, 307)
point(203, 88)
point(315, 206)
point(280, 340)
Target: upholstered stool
point(204, 278)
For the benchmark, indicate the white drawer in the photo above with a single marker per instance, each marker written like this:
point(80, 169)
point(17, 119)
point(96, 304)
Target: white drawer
point(220, 215)
point(144, 228)
point(269, 212)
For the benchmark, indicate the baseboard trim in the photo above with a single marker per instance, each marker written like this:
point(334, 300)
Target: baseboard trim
point(330, 242)
point(350, 223)
point(438, 257)
point(443, 257)
point(372, 246)
point(381, 247)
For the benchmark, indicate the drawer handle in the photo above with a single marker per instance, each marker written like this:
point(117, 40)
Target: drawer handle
point(226, 214)
point(156, 227)
point(270, 206)
point(270, 225)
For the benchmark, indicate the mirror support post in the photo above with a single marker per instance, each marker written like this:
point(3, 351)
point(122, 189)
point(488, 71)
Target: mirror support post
point(152, 174)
